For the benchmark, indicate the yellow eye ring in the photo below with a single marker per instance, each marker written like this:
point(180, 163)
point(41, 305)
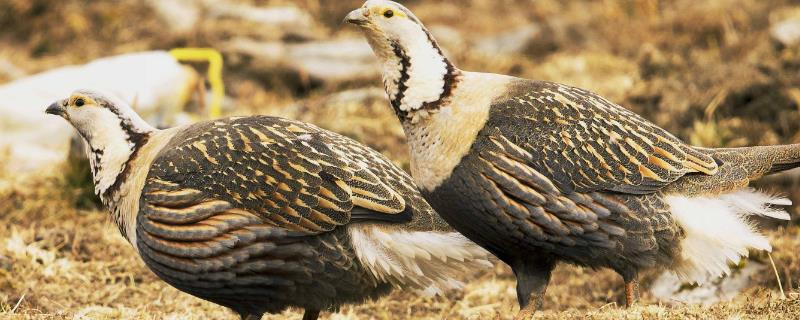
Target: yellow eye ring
point(388, 13)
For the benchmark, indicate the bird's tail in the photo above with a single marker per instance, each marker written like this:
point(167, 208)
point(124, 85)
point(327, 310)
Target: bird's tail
point(759, 161)
point(714, 210)
point(718, 230)
point(737, 167)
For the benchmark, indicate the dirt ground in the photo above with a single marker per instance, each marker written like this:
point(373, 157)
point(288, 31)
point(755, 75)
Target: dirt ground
point(708, 71)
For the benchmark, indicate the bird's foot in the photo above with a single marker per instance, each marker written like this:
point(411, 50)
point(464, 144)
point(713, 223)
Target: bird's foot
point(526, 313)
point(534, 303)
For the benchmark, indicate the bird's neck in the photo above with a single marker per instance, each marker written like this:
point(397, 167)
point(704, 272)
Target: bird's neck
point(440, 140)
point(110, 153)
point(416, 75)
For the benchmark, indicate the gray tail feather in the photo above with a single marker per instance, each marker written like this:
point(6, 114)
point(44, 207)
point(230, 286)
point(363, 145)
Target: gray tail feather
point(758, 161)
point(737, 167)
point(778, 167)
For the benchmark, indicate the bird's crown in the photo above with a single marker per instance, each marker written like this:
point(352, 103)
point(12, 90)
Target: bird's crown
point(387, 9)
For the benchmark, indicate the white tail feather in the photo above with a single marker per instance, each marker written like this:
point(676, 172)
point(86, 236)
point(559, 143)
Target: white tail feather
point(428, 261)
point(750, 201)
point(718, 231)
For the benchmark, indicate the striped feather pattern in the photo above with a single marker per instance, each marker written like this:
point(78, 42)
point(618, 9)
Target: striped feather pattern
point(585, 142)
point(292, 175)
point(533, 211)
point(251, 213)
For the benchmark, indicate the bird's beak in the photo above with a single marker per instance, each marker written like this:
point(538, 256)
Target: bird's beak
point(357, 17)
point(57, 108)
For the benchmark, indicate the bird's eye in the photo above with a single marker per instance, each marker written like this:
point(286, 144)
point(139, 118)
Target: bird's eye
point(388, 13)
point(79, 102)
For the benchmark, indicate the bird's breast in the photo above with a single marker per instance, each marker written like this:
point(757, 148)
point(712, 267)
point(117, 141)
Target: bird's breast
point(124, 203)
point(440, 139)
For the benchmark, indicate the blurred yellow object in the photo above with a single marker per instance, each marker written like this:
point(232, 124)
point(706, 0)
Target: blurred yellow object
point(214, 59)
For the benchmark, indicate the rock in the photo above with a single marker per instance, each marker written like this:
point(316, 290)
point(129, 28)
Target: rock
point(370, 120)
point(9, 71)
point(608, 75)
point(153, 82)
point(448, 37)
point(331, 61)
point(785, 27)
point(365, 108)
point(180, 15)
point(100, 312)
point(6, 263)
point(183, 16)
point(787, 32)
point(514, 41)
point(669, 289)
point(288, 17)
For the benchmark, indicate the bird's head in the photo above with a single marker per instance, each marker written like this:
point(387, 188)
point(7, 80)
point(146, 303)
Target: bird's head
point(416, 74)
point(112, 130)
point(99, 117)
point(387, 24)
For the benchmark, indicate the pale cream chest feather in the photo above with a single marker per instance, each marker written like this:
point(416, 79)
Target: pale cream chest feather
point(124, 204)
point(438, 140)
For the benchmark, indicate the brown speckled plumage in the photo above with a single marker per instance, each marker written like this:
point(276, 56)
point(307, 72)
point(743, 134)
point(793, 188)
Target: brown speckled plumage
point(587, 143)
point(260, 213)
point(559, 174)
point(738, 167)
point(247, 212)
point(561, 188)
point(539, 172)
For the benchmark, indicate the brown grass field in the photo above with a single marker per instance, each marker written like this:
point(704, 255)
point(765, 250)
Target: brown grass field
point(708, 71)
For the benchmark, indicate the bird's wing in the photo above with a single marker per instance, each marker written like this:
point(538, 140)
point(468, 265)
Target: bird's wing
point(530, 207)
point(583, 142)
point(214, 248)
point(217, 176)
point(564, 168)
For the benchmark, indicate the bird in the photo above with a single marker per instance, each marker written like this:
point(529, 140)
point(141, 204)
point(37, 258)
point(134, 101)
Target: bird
point(262, 213)
point(540, 173)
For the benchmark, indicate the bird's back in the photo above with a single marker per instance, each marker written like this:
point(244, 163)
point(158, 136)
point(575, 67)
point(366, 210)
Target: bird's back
point(246, 159)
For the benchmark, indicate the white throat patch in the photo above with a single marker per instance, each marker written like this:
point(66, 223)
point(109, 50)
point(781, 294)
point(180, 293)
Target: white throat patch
point(427, 69)
point(109, 148)
point(415, 72)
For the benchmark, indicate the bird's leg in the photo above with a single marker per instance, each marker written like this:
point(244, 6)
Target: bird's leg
point(532, 280)
point(535, 300)
point(311, 314)
point(631, 292)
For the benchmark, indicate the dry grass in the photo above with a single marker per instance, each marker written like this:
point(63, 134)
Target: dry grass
point(57, 262)
point(707, 71)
